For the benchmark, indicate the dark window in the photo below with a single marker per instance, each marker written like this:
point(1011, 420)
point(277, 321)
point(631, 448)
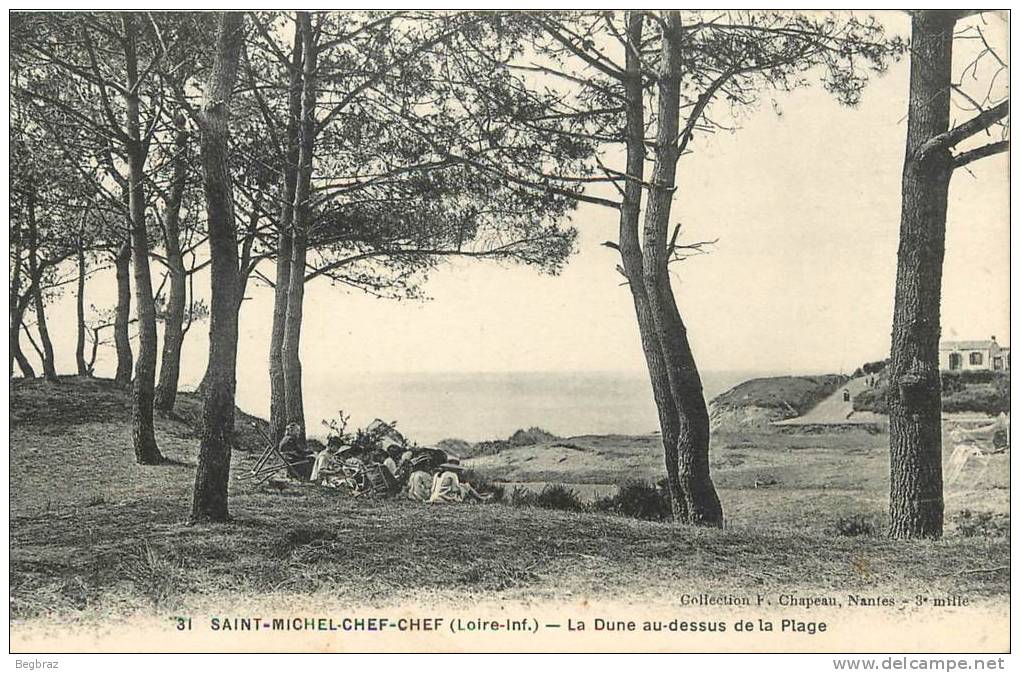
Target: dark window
point(955, 361)
point(976, 358)
point(996, 363)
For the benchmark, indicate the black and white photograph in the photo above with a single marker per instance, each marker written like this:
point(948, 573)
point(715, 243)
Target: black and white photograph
point(510, 330)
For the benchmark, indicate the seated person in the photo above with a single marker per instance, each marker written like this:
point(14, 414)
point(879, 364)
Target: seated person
point(419, 486)
point(404, 466)
point(294, 450)
point(447, 487)
point(389, 462)
point(292, 445)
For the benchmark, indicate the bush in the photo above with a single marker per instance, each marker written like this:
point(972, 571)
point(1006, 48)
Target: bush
point(874, 367)
point(981, 524)
point(487, 448)
point(855, 525)
point(553, 496)
point(978, 391)
point(483, 485)
point(957, 380)
point(299, 536)
point(634, 499)
point(531, 436)
point(983, 399)
point(155, 573)
point(872, 399)
point(639, 500)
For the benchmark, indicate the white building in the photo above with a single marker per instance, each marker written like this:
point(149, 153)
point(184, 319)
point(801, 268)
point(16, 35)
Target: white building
point(971, 355)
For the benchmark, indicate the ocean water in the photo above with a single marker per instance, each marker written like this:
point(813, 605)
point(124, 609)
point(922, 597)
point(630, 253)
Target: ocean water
point(479, 406)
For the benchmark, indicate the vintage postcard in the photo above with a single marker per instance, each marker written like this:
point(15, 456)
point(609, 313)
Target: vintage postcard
point(576, 330)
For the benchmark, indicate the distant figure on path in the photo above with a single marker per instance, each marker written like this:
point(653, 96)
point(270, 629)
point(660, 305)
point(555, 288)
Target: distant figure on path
point(846, 395)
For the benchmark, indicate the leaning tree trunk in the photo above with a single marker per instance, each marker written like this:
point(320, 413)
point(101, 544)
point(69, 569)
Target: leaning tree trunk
point(122, 318)
point(914, 394)
point(630, 254)
point(173, 320)
point(212, 477)
point(302, 216)
point(79, 344)
point(692, 443)
point(18, 355)
point(284, 251)
point(694, 431)
point(16, 306)
point(144, 435)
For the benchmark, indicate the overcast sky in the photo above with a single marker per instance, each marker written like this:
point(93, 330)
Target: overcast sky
point(805, 205)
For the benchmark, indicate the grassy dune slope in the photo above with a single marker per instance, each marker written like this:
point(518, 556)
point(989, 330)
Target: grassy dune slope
point(95, 536)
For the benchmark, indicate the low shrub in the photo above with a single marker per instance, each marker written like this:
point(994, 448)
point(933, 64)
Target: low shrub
point(872, 399)
point(531, 436)
point(957, 380)
point(982, 400)
point(854, 525)
point(983, 392)
point(487, 448)
point(553, 496)
point(639, 500)
point(155, 573)
point(300, 536)
point(483, 486)
point(981, 524)
point(979, 391)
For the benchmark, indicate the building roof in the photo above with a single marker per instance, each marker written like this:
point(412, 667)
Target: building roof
point(965, 345)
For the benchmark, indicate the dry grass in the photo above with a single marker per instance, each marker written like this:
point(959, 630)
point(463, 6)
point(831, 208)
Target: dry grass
point(95, 536)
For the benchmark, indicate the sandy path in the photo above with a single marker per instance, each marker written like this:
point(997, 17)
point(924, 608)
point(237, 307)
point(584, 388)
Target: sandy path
point(835, 410)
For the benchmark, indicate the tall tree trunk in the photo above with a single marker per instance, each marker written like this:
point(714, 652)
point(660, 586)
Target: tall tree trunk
point(292, 333)
point(302, 216)
point(49, 365)
point(79, 344)
point(212, 477)
point(630, 253)
point(694, 433)
point(16, 306)
point(38, 302)
point(146, 451)
point(122, 318)
point(284, 251)
point(15, 314)
point(692, 443)
point(915, 398)
point(173, 320)
point(18, 355)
